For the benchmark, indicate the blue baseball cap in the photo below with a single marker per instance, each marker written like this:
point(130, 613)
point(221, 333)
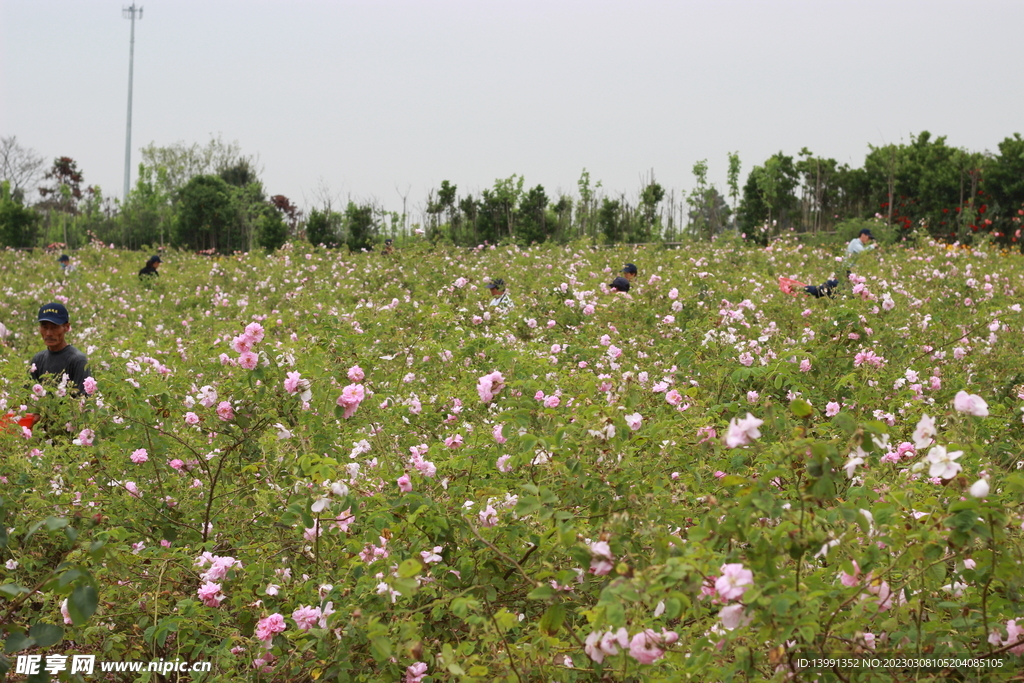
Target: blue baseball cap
point(54, 313)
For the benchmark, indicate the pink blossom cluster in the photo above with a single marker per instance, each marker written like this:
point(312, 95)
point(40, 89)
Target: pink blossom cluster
point(219, 566)
point(267, 627)
point(743, 431)
point(372, 552)
point(210, 594)
point(646, 647)
point(552, 401)
point(489, 385)
point(905, 450)
point(306, 617)
point(421, 465)
point(1014, 634)
point(414, 673)
point(970, 404)
point(351, 396)
point(244, 343)
point(877, 587)
point(601, 558)
point(869, 357)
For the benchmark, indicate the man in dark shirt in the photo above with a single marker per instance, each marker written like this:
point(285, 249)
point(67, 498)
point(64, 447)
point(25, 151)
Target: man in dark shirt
point(59, 358)
point(151, 267)
point(619, 284)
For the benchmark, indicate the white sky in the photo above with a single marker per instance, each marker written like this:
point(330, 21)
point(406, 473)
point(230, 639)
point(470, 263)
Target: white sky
point(366, 96)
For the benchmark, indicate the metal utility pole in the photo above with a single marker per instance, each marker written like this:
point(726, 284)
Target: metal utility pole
point(129, 13)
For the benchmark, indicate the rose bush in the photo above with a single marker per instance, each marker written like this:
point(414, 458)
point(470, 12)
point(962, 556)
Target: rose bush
point(316, 466)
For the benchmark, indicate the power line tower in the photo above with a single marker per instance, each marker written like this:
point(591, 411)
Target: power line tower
point(129, 13)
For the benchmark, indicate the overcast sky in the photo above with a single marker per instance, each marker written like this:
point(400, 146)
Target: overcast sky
point(363, 97)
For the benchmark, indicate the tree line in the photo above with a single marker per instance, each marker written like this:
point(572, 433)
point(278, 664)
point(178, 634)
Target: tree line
point(210, 198)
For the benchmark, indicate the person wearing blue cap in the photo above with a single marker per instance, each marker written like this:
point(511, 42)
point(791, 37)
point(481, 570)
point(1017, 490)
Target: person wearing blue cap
point(860, 243)
point(151, 267)
point(619, 284)
point(60, 359)
point(499, 297)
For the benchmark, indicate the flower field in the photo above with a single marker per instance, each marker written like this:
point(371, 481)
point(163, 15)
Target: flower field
point(321, 466)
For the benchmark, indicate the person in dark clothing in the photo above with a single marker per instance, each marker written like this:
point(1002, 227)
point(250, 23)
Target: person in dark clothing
point(629, 272)
point(151, 267)
point(59, 358)
point(828, 288)
point(619, 284)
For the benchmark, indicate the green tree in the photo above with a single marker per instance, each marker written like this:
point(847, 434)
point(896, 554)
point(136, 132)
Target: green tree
point(146, 212)
point(532, 217)
point(768, 197)
point(181, 162)
point(609, 217)
point(360, 226)
point(323, 227)
point(17, 222)
point(649, 224)
point(588, 200)
point(709, 209)
point(273, 230)
point(207, 216)
point(1004, 180)
point(926, 182)
point(734, 179)
point(819, 195)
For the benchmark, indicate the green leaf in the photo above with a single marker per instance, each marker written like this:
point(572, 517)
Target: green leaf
point(54, 523)
point(541, 593)
point(801, 408)
point(17, 642)
point(82, 603)
point(553, 619)
point(409, 568)
point(380, 648)
point(12, 590)
point(46, 635)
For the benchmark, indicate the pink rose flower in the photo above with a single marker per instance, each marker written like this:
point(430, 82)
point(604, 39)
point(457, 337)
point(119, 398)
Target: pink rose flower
point(248, 360)
point(268, 626)
point(489, 385)
point(254, 331)
point(210, 594)
point(971, 404)
point(351, 397)
point(734, 581)
point(404, 483)
point(191, 418)
point(291, 382)
point(356, 374)
point(225, 412)
point(306, 617)
point(89, 385)
point(742, 432)
point(139, 456)
point(644, 647)
point(498, 436)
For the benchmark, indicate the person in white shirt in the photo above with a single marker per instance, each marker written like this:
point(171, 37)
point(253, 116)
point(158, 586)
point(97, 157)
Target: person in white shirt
point(860, 243)
point(499, 297)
